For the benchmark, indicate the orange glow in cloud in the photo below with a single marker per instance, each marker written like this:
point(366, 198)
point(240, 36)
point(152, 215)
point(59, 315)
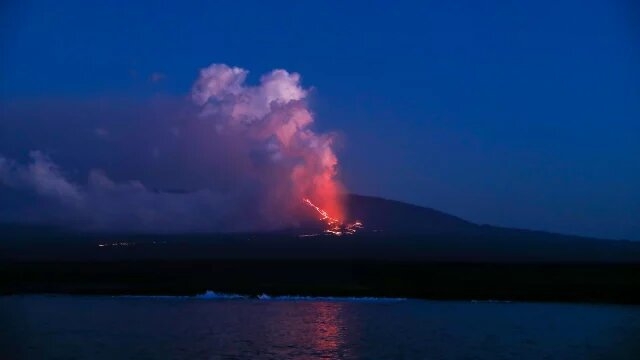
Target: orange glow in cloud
point(274, 117)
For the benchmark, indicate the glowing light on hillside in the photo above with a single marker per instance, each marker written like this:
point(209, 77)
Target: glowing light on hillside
point(334, 226)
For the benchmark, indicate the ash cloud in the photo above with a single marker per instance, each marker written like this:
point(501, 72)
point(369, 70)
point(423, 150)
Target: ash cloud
point(230, 157)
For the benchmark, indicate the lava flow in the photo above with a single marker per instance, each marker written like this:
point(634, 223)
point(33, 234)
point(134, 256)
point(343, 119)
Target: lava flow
point(335, 226)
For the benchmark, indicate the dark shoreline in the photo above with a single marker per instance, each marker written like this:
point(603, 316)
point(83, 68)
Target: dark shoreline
point(545, 282)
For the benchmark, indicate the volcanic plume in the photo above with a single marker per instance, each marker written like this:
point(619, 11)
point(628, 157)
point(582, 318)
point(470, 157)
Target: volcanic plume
point(274, 114)
point(244, 157)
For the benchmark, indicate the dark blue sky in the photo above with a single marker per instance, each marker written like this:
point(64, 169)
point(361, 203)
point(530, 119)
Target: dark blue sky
point(522, 115)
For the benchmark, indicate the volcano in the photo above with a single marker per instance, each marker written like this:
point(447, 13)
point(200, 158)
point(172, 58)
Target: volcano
point(402, 250)
point(380, 215)
point(395, 229)
point(392, 230)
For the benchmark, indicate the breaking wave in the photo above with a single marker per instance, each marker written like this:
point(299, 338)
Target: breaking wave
point(212, 295)
point(326, 298)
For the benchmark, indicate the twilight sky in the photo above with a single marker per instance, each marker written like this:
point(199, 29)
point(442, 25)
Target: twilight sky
point(523, 115)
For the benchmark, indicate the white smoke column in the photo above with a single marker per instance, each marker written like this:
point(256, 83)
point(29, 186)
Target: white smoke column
point(274, 116)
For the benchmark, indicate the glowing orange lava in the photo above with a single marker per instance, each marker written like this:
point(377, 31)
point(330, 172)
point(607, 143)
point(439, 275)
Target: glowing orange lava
point(329, 328)
point(335, 226)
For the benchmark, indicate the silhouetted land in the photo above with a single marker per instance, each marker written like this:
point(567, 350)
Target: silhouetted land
point(444, 267)
point(405, 251)
point(611, 283)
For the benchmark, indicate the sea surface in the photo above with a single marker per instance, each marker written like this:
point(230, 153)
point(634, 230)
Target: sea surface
point(233, 327)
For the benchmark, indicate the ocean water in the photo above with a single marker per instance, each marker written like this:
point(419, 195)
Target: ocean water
point(215, 326)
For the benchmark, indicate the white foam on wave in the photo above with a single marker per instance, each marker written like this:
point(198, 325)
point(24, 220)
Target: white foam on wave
point(216, 295)
point(325, 298)
point(208, 295)
point(212, 295)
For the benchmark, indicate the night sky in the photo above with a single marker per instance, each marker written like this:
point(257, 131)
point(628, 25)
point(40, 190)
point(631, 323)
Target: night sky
point(523, 115)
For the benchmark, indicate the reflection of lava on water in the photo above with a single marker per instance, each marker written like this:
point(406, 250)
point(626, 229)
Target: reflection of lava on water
point(303, 329)
point(335, 226)
point(329, 330)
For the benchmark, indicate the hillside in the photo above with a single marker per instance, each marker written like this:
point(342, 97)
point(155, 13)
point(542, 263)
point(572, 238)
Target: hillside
point(392, 231)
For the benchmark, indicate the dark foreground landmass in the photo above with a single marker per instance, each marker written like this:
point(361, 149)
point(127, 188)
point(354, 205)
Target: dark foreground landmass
point(606, 283)
point(403, 251)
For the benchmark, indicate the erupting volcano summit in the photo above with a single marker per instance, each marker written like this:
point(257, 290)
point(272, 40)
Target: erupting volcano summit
point(335, 226)
point(274, 115)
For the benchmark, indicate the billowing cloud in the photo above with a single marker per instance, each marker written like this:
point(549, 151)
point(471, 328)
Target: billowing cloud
point(236, 157)
point(101, 203)
point(42, 176)
point(274, 117)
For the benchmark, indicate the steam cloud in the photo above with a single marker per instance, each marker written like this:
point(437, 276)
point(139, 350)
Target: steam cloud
point(247, 155)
